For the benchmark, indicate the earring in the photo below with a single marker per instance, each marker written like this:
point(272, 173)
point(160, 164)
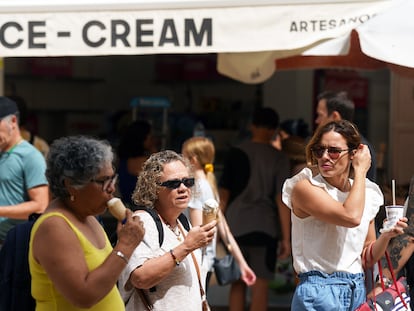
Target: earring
point(72, 197)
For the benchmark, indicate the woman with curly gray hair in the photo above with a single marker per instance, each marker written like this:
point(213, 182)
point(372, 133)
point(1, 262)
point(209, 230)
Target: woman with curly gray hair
point(72, 263)
point(166, 275)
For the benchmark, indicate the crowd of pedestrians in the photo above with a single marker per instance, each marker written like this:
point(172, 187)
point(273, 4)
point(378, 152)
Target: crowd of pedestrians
point(281, 193)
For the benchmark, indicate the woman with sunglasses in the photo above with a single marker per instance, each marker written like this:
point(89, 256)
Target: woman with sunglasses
point(72, 263)
point(333, 230)
point(166, 276)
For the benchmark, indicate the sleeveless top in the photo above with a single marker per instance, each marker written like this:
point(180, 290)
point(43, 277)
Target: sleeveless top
point(47, 297)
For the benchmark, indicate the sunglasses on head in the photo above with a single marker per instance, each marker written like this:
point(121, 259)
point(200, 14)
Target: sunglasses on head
point(333, 152)
point(176, 183)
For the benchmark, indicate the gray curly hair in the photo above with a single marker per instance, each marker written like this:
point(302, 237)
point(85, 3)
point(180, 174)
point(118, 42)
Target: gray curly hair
point(78, 158)
point(146, 190)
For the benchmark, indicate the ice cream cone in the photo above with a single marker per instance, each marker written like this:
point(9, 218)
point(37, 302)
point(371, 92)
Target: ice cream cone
point(117, 208)
point(210, 211)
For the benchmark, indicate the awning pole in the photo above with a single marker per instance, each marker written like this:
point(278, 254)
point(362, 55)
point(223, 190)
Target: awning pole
point(1, 76)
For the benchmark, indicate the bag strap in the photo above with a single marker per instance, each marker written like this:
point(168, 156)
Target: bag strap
point(202, 293)
point(145, 300)
point(372, 275)
point(394, 281)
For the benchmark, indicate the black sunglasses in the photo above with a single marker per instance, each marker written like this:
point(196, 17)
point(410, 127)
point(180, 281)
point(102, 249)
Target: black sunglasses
point(333, 152)
point(176, 183)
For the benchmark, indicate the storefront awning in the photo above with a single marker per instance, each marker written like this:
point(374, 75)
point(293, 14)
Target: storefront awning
point(247, 34)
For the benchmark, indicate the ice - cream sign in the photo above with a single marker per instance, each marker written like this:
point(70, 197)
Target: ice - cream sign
point(137, 27)
point(118, 34)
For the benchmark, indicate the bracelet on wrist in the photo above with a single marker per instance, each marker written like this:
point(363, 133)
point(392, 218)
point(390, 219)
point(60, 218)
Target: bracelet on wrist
point(177, 262)
point(122, 256)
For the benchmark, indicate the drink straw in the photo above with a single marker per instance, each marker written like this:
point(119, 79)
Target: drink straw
point(393, 191)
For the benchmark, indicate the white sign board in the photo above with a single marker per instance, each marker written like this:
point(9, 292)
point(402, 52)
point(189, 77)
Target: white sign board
point(40, 28)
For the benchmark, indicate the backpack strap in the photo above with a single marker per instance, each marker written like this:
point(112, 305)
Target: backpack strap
point(158, 222)
point(184, 221)
point(156, 218)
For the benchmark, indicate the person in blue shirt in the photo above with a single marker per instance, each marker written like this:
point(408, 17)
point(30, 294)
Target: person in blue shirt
point(23, 185)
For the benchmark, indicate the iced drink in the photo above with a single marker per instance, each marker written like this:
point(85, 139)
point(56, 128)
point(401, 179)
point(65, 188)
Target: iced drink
point(117, 208)
point(394, 213)
point(210, 211)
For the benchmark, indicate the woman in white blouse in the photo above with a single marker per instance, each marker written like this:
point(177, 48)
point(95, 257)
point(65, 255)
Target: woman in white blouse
point(333, 232)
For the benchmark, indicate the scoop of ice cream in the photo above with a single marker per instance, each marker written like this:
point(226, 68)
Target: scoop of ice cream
point(210, 205)
point(117, 208)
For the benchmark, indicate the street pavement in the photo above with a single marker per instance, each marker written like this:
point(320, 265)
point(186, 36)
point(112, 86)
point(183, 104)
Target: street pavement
point(217, 297)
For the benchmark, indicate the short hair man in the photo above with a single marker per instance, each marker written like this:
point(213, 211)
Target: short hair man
point(333, 106)
point(23, 184)
point(250, 194)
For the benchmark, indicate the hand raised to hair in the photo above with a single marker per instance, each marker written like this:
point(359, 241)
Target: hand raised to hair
point(200, 236)
point(361, 159)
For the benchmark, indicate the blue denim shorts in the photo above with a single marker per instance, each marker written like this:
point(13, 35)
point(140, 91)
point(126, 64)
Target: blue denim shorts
point(319, 291)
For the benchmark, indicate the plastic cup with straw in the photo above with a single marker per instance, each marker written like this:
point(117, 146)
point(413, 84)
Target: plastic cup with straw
point(394, 212)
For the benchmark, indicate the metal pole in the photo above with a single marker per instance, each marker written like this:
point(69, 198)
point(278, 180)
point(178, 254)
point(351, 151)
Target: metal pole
point(1, 76)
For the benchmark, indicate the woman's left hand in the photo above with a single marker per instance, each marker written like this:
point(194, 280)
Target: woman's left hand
point(200, 236)
point(397, 229)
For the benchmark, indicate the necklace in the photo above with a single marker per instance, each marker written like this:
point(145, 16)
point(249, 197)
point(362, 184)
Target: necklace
point(176, 231)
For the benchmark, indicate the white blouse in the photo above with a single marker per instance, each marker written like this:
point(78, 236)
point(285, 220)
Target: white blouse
point(317, 245)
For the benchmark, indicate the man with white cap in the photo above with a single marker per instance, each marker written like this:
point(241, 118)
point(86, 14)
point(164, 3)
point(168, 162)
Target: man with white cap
point(23, 185)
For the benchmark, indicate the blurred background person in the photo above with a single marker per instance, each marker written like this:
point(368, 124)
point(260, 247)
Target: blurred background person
point(135, 146)
point(168, 275)
point(294, 147)
point(72, 263)
point(39, 143)
point(200, 152)
point(23, 185)
point(25, 131)
point(291, 140)
point(294, 127)
point(250, 191)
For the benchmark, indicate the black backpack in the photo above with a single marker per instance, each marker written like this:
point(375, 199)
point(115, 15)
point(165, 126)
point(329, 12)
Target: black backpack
point(15, 279)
